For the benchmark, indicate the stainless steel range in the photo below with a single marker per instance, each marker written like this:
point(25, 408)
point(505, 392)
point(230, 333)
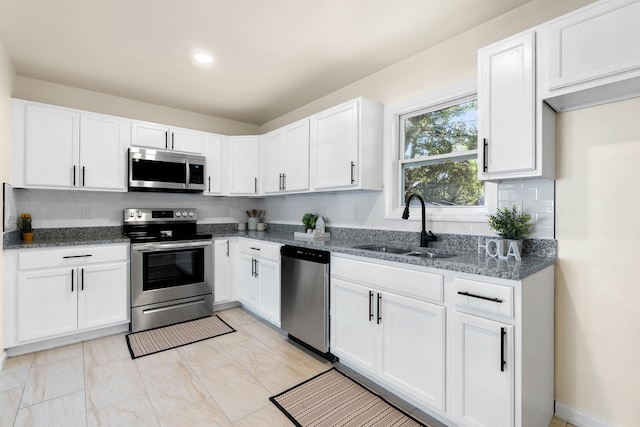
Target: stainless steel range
point(171, 274)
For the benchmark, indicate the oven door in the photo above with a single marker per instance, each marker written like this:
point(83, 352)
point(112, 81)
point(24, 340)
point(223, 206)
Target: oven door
point(170, 270)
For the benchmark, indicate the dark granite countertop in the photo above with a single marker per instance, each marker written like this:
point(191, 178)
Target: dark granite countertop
point(467, 260)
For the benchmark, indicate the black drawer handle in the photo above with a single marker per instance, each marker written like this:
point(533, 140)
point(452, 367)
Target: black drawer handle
point(503, 362)
point(370, 306)
point(485, 149)
point(71, 280)
point(76, 256)
point(379, 317)
point(255, 249)
point(467, 294)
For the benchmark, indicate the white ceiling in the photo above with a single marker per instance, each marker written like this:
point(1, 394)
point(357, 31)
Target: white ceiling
point(271, 56)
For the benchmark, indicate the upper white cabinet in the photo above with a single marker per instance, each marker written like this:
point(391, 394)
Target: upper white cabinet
point(61, 148)
point(512, 141)
point(162, 137)
point(244, 165)
point(597, 42)
point(284, 159)
point(346, 147)
point(215, 151)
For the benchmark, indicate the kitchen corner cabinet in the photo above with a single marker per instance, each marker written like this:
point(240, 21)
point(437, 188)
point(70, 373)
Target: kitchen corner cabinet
point(244, 165)
point(512, 141)
point(346, 147)
point(61, 291)
point(215, 151)
point(259, 278)
point(224, 280)
point(284, 159)
point(388, 321)
point(61, 148)
point(162, 137)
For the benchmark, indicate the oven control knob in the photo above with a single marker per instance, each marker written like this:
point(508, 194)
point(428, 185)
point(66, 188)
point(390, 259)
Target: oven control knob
point(184, 213)
point(131, 214)
point(139, 214)
point(177, 214)
point(190, 213)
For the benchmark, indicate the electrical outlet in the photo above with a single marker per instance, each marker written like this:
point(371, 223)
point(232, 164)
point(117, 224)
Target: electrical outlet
point(356, 212)
point(86, 212)
point(279, 212)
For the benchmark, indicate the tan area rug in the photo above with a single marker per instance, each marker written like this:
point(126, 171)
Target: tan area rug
point(333, 399)
point(156, 340)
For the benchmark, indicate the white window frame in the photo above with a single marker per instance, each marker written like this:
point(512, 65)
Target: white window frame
point(392, 170)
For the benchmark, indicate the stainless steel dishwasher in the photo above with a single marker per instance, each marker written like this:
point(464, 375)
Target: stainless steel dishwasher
point(304, 297)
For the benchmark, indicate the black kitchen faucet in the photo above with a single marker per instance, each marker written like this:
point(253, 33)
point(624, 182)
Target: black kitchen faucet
point(425, 237)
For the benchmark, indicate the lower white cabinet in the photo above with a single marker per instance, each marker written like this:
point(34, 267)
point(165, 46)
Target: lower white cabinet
point(56, 292)
point(225, 288)
point(259, 278)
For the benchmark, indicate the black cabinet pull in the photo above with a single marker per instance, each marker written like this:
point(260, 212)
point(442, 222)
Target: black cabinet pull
point(253, 271)
point(83, 176)
point(227, 248)
point(255, 185)
point(353, 168)
point(74, 174)
point(284, 181)
point(485, 151)
point(209, 190)
point(71, 280)
point(370, 306)
point(166, 139)
point(82, 277)
point(76, 256)
point(379, 317)
point(172, 140)
point(280, 182)
point(255, 249)
point(503, 362)
point(256, 268)
point(467, 294)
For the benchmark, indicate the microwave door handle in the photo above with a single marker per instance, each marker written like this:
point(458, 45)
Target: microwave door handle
point(187, 183)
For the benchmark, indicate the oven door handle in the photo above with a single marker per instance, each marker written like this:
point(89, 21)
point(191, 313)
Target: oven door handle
point(155, 247)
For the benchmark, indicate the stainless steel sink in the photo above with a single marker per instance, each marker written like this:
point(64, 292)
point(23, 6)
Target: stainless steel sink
point(432, 255)
point(384, 248)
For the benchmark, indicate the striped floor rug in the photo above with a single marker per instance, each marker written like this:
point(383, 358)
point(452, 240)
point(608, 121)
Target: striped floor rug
point(333, 399)
point(156, 340)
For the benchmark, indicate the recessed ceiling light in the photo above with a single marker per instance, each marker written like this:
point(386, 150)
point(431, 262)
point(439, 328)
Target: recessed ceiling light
point(203, 58)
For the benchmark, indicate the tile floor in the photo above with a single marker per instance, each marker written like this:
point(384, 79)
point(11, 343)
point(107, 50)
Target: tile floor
point(224, 381)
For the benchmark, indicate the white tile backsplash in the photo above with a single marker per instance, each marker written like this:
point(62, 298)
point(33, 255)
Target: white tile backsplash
point(535, 197)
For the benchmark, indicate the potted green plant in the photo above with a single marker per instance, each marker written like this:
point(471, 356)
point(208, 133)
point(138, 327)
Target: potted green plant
point(309, 221)
point(24, 224)
point(511, 225)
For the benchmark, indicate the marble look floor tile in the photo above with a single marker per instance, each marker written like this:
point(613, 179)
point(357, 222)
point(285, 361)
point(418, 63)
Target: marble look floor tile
point(267, 416)
point(105, 350)
point(22, 361)
point(15, 372)
point(173, 387)
point(112, 382)
point(256, 357)
point(305, 363)
point(9, 402)
point(237, 317)
point(265, 334)
point(136, 411)
point(65, 411)
point(232, 338)
point(282, 379)
point(236, 391)
point(158, 360)
point(205, 413)
point(204, 355)
point(557, 422)
point(53, 380)
point(58, 353)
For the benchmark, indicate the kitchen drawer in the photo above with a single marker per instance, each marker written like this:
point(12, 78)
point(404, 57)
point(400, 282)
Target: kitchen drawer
point(260, 249)
point(396, 279)
point(60, 257)
point(485, 297)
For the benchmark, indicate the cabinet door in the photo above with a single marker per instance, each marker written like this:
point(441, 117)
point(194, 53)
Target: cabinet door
point(268, 273)
point(51, 147)
point(149, 135)
point(272, 162)
point(244, 164)
point(216, 164)
point(506, 107)
point(412, 347)
point(483, 372)
point(353, 324)
point(334, 140)
point(247, 282)
point(221, 271)
point(186, 140)
point(103, 297)
point(296, 156)
point(47, 303)
point(103, 152)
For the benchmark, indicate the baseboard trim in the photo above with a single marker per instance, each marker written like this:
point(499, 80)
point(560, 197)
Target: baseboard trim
point(578, 417)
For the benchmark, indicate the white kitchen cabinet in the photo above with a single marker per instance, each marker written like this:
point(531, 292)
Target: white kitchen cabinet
point(284, 159)
point(483, 372)
point(61, 148)
point(60, 291)
point(346, 147)
point(381, 325)
point(244, 165)
point(162, 137)
point(216, 167)
point(225, 288)
point(259, 278)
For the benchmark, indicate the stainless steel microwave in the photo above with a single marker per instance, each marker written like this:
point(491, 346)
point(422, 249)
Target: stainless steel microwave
point(153, 170)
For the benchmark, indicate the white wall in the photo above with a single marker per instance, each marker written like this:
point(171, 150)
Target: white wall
point(598, 271)
point(7, 77)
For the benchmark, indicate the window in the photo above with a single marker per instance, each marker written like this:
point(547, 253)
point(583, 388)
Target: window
point(439, 154)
